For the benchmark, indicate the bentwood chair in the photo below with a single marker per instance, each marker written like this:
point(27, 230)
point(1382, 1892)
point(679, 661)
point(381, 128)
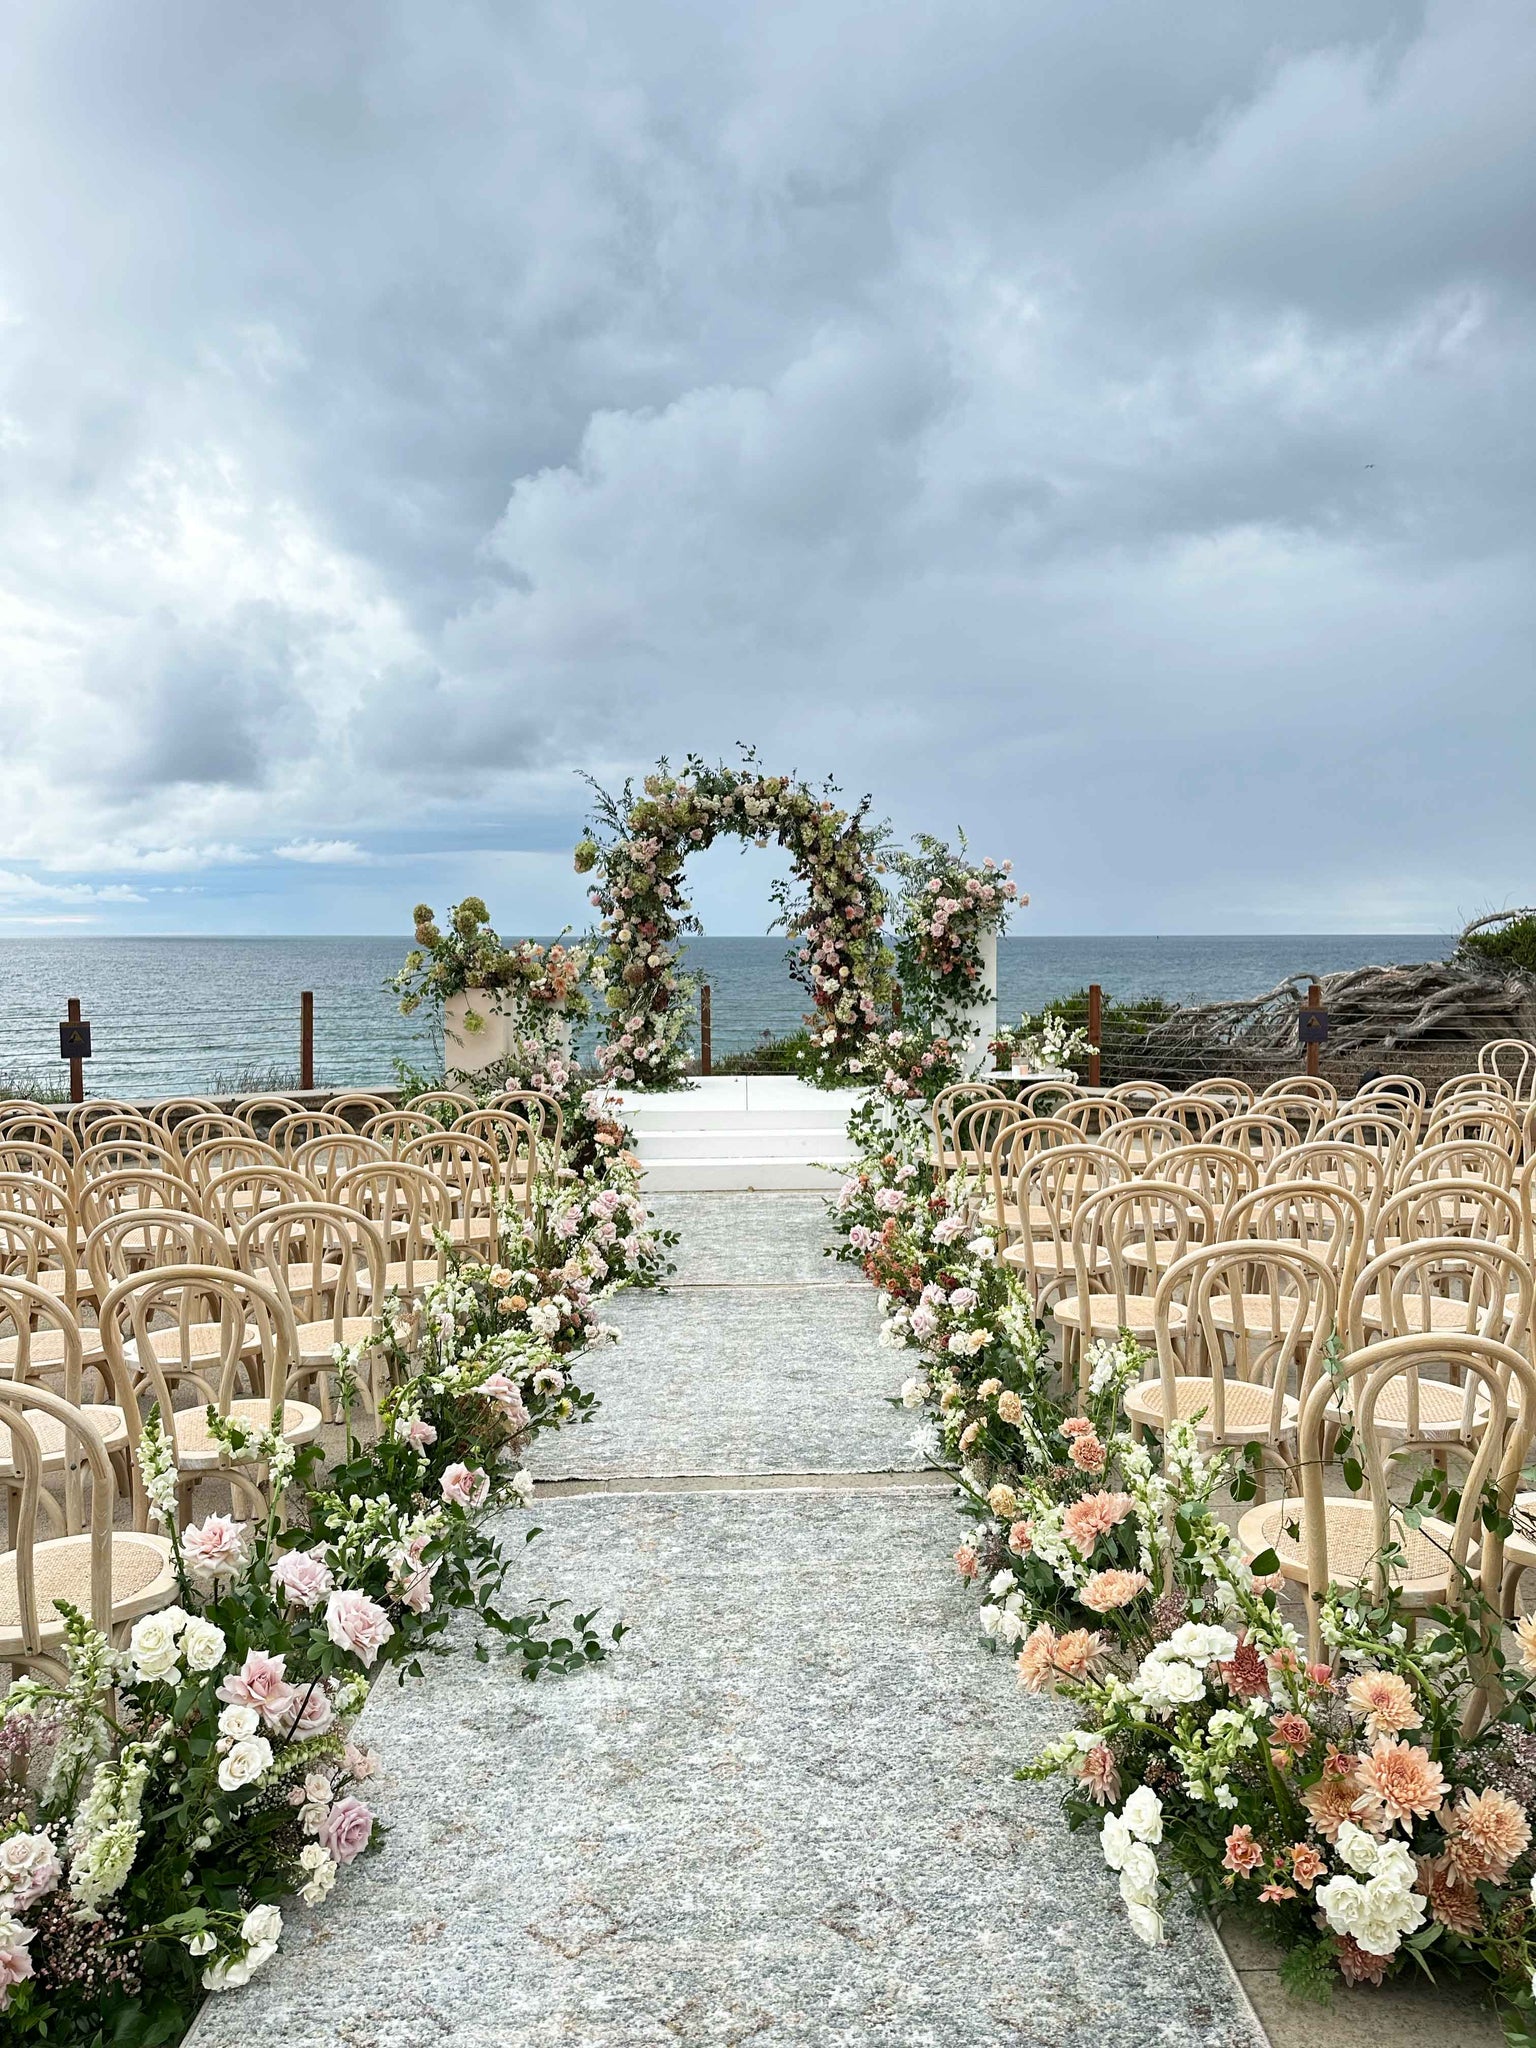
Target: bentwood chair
point(469, 1171)
point(1252, 1321)
point(328, 1263)
point(41, 1341)
point(1111, 1292)
point(288, 1133)
point(1321, 1539)
point(947, 1104)
point(1037, 1196)
point(1478, 1209)
point(410, 1209)
point(231, 1199)
point(393, 1128)
point(205, 1329)
point(520, 1144)
point(1512, 1060)
point(358, 1103)
point(112, 1575)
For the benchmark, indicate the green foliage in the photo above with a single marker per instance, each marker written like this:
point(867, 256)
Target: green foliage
point(1511, 944)
point(17, 1083)
point(1308, 1973)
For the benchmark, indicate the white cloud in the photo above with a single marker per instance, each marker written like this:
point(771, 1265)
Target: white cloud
point(21, 888)
point(1095, 424)
point(322, 852)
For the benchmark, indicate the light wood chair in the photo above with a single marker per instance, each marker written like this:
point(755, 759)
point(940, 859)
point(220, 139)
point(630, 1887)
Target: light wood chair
point(1481, 1210)
point(1466, 1122)
point(1328, 1220)
point(81, 1116)
point(41, 1340)
point(231, 1199)
point(1458, 1159)
point(111, 1575)
point(1355, 1167)
point(206, 1126)
point(1374, 1129)
point(138, 1188)
point(1261, 1137)
point(125, 1127)
point(38, 1162)
point(321, 1159)
point(173, 1110)
point(1141, 1098)
point(30, 1195)
point(978, 1128)
point(44, 1254)
point(1196, 1115)
point(1512, 1060)
point(1110, 1292)
point(127, 1155)
point(1233, 1095)
point(946, 1105)
point(328, 1263)
point(442, 1105)
point(360, 1104)
point(288, 1133)
point(1477, 1086)
point(541, 1110)
point(1437, 1285)
point(1240, 1331)
point(136, 1239)
point(207, 1328)
point(1036, 1196)
point(1217, 1172)
point(265, 1107)
point(212, 1159)
point(1091, 1116)
point(393, 1128)
point(1143, 1142)
point(1403, 1096)
point(519, 1143)
point(469, 1170)
point(1321, 1539)
point(411, 1210)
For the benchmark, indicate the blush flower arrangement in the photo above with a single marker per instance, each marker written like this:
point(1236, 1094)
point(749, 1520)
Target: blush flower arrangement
point(949, 904)
point(539, 982)
point(1375, 1812)
point(833, 910)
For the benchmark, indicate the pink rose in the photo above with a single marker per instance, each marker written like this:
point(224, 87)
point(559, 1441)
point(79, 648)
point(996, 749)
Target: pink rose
point(29, 1868)
point(356, 1623)
point(361, 1763)
point(261, 1683)
point(217, 1549)
point(347, 1829)
point(310, 1711)
point(304, 1578)
point(461, 1483)
point(15, 1963)
point(504, 1393)
point(413, 1431)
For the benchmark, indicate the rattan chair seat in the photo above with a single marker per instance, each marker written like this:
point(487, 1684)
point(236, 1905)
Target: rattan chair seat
point(1104, 1316)
point(1422, 1578)
point(1248, 1410)
point(195, 1446)
point(143, 1578)
point(53, 1439)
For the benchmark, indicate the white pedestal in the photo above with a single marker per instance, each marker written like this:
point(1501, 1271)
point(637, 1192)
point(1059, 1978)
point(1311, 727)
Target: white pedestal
point(466, 1052)
point(978, 1024)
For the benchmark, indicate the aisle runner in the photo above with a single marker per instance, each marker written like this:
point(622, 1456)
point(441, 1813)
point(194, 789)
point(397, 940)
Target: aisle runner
point(783, 1814)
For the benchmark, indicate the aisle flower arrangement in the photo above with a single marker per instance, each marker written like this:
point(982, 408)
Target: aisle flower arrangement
point(949, 904)
point(833, 910)
point(159, 1806)
point(1342, 1805)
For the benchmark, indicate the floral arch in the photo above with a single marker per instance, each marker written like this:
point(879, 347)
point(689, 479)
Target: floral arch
point(833, 909)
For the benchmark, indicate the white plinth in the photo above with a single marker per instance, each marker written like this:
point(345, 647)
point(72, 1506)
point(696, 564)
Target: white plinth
point(978, 1024)
point(466, 1052)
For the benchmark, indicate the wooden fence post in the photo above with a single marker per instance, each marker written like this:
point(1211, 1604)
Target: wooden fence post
point(307, 1039)
point(706, 1048)
point(1095, 1032)
point(1314, 1002)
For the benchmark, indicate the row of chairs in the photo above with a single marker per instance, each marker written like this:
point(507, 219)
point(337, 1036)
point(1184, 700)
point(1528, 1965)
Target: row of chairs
point(1396, 1263)
point(127, 1286)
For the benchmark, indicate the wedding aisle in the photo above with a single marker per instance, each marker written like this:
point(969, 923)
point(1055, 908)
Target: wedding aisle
point(784, 1812)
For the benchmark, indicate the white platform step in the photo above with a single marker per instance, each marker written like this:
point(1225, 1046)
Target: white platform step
point(741, 1131)
point(732, 1176)
point(734, 1144)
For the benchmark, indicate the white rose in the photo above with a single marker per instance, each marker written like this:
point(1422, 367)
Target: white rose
point(1138, 1876)
point(202, 1944)
point(261, 1925)
point(1181, 1684)
point(1146, 1922)
point(236, 1722)
point(1356, 1848)
point(244, 1764)
point(152, 1646)
point(1116, 1841)
point(202, 1644)
point(227, 1975)
point(1143, 1814)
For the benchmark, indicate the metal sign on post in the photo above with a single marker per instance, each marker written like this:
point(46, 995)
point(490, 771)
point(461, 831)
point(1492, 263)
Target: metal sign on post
point(1312, 1027)
point(75, 1046)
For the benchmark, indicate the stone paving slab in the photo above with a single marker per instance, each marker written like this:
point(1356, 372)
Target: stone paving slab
point(782, 1815)
point(766, 1239)
point(738, 1379)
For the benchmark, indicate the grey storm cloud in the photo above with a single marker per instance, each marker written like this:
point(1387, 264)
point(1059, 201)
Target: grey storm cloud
point(1106, 427)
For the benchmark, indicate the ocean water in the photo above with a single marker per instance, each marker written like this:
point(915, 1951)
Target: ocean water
point(200, 1015)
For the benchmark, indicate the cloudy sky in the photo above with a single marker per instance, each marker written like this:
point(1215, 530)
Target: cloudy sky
point(1106, 427)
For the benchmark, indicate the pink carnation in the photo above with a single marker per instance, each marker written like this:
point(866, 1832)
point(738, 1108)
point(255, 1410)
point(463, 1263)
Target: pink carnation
point(261, 1683)
point(356, 1623)
point(1092, 1517)
point(347, 1829)
point(304, 1578)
